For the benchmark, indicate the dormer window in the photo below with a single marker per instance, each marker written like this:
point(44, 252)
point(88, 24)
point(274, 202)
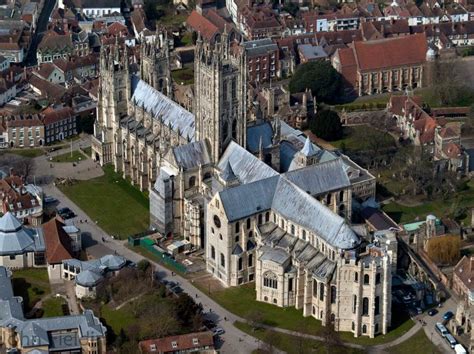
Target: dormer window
point(18, 205)
point(195, 341)
point(174, 344)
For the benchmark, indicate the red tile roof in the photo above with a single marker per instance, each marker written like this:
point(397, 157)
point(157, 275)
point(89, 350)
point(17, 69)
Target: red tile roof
point(57, 241)
point(202, 25)
point(452, 150)
point(55, 115)
point(393, 52)
point(181, 343)
point(397, 103)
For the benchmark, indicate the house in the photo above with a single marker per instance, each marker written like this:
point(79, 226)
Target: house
point(259, 21)
point(20, 247)
point(25, 130)
point(59, 124)
point(24, 201)
point(97, 8)
point(262, 57)
point(308, 52)
point(30, 13)
point(8, 90)
point(58, 247)
point(83, 333)
point(12, 44)
point(87, 275)
point(54, 46)
point(202, 342)
point(384, 65)
point(50, 72)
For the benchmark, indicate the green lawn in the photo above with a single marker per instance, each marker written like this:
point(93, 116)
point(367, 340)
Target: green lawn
point(52, 307)
point(187, 39)
point(440, 207)
point(88, 151)
point(365, 103)
point(241, 301)
point(117, 206)
point(183, 76)
point(291, 344)
point(354, 138)
point(24, 152)
point(419, 343)
point(117, 319)
point(31, 284)
point(68, 157)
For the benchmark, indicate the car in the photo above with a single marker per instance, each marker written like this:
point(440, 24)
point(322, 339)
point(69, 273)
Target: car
point(407, 298)
point(448, 315)
point(419, 311)
point(66, 213)
point(432, 312)
point(210, 324)
point(177, 290)
point(218, 331)
point(50, 200)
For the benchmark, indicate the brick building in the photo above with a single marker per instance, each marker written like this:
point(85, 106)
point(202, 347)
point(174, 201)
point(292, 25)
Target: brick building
point(385, 65)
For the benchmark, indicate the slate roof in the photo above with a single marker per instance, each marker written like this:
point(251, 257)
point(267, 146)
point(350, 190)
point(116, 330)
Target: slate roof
point(95, 269)
point(263, 131)
point(245, 166)
point(320, 178)
point(191, 155)
point(279, 247)
point(17, 239)
point(163, 108)
point(228, 173)
point(44, 331)
point(293, 203)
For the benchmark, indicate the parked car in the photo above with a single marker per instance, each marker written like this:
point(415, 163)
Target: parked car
point(177, 290)
point(210, 324)
point(218, 331)
point(49, 200)
point(66, 213)
point(432, 312)
point(419, 311)
point(448, 315)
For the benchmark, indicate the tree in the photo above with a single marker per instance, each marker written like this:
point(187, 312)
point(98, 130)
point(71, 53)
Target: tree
point(444, 249)
point(255, 318)
point(326, 125)
point(321, 78)
point(143, 265)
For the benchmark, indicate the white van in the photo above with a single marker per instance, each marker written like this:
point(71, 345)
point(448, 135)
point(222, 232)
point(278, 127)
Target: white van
point(459, 349)
point(451, 340)
point(441, 329)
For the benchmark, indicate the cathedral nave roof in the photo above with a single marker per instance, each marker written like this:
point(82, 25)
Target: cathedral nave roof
point(163, 108)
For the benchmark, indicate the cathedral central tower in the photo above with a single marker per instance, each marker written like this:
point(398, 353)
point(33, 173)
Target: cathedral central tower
point(220, 94)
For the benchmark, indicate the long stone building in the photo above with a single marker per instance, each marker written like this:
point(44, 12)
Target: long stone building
point(266, 204)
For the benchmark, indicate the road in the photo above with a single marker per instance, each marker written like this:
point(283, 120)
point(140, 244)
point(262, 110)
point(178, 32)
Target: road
point(41, 27)
point(233, 341)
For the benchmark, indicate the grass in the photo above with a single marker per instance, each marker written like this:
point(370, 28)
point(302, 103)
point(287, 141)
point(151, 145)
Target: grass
point(25, 152)
point(419, 343)
point(441, 207)
point(291, 344)
point(241, 301)
point(117, 319)
point(31, 284)
point(365, 103)
point(147, 254)
point(68, 157)
point(401, 323)
point(353, 139)
point(52, 307)
point(117, 206)
point(187, 39)
point(88, 151)
point(183, 76)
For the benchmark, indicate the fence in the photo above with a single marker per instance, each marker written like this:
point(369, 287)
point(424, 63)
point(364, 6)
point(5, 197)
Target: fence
point(162, 258)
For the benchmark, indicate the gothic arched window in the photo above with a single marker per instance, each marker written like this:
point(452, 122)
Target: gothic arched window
point(192, 181)
point(225, 131)
point(270, 280)
point(234, 129)
point(365, 306)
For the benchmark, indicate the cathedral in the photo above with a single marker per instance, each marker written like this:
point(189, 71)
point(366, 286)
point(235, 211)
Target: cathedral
point(266, 204)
